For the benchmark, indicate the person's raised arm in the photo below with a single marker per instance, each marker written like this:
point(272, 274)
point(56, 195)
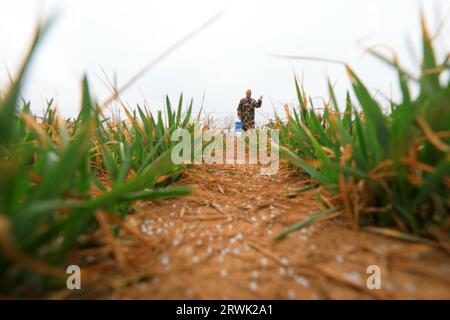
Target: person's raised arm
point(259, 103)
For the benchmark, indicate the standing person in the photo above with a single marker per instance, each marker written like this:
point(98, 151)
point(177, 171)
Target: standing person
point(246, 110)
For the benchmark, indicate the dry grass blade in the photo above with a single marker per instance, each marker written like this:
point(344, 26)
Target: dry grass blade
point(33, 125)
point(431, 136)
point(399, 235)
point(162, 56)
point(293, 57)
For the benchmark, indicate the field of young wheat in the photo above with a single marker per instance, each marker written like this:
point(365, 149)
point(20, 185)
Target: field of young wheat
point(380, 169)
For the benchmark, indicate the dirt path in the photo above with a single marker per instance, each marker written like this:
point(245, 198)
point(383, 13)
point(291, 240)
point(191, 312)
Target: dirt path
point(217, 244)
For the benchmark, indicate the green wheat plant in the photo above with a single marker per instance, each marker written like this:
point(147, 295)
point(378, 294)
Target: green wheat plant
point(56, 174)
point(385, 169)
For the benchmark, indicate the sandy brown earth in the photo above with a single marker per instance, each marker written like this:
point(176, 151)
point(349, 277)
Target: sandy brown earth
point(218, 244)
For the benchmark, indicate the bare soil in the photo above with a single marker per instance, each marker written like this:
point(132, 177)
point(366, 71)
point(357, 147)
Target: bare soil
point(218, 244)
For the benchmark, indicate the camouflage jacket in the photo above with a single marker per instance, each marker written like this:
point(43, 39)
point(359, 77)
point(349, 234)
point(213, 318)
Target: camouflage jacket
point(246, 108)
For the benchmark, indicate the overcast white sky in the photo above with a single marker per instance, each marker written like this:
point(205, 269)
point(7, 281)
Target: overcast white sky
point(225, 59)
